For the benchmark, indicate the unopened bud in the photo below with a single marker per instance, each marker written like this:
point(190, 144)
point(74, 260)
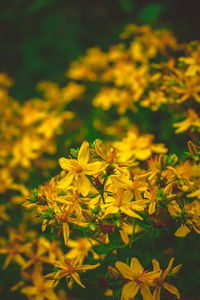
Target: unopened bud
point(161, 161)
point(93, 227)
point(118, 223)
point(192, 147)
point(113, 272)
point(176, 269)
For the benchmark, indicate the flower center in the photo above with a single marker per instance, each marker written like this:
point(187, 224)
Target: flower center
point(77, 168)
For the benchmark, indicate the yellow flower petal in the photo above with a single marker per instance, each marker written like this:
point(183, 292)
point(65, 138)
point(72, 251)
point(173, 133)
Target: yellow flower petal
point(65, 163)
point(76, 277)
point(99, 150)
point(143, 154)
point(146, 294)
point(94, 168)
point(111, 210)
point(167, 270)
point(84, 153)
point(124, 270)
point(129, 290)
point(152, 208)
point(156, 265)
point(66, 181)
point(87, 267)
point(29, 290)
point(83, 184)
point(182, 231)
point(156, 293)
point(136, 267)
point(130, 213)
point(172, 289)
point(66, 232)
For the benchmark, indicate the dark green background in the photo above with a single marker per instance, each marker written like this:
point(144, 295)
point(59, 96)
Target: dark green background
point(38, 38)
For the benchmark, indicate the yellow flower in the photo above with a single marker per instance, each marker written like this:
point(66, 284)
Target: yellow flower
point(65, 219)
point(151, 196)
point(134, 187)
point(122, 201)
point(42, 289)
point(36, 254)
point(111, 157)
point(192, 217)
point(138, 146)
point(191, 120)
point(137, 278)
point(15, 248)
point(189, 88)
point(154, 100)
point(78, 169)
point(160, 282)
point(80, 248)
point(69, 268)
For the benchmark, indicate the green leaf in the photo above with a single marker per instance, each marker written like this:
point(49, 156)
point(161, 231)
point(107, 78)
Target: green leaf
point(117, 294)
point(126, 6)
point(103, 249)
point(74, 152)
point(115, 238)
point(151, 12)
point(40, 4)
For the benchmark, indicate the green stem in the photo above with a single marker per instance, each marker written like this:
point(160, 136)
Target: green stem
point(133, 233)
point(134, 240)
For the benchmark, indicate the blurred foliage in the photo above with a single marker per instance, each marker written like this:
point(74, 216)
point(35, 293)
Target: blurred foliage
point(39, 38)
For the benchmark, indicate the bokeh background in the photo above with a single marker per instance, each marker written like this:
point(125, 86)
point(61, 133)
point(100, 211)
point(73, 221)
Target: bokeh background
point(38, 38)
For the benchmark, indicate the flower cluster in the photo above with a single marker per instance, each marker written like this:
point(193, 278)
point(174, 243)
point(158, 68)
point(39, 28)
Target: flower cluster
point(114, 202)
point(150, 69)
point(102, 195)
point(29, 130)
